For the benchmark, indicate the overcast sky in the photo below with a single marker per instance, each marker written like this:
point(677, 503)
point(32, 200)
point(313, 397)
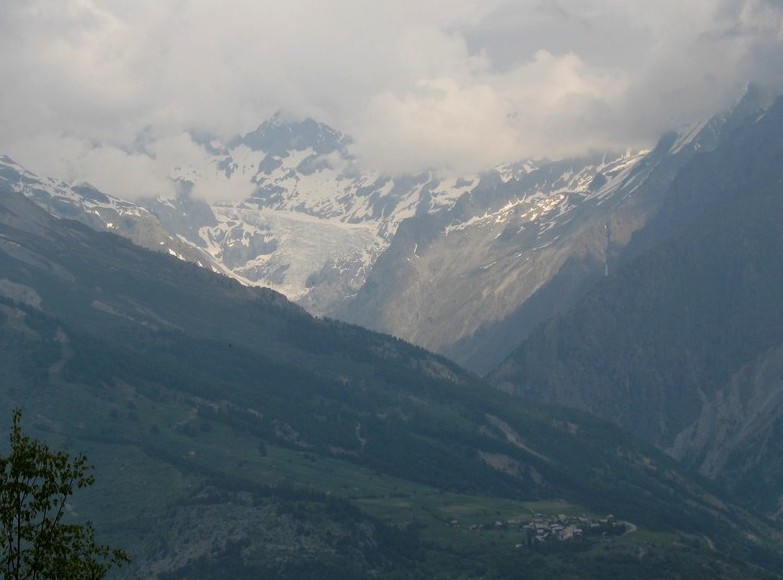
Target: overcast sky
point(107, 90)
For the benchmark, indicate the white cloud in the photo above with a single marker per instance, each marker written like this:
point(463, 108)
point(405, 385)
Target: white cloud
point(438, 124)
point(449, 84)
point(127, 175)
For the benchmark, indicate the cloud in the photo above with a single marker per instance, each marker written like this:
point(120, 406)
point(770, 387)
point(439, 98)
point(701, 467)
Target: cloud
point(553, 105)
point(454, 85)
point(438, 124)
point(126, 174)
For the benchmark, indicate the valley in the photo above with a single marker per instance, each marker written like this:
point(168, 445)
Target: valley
point(232, 433)
point(258, 439)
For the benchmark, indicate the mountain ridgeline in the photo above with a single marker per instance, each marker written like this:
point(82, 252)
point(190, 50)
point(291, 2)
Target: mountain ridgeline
point(682, 344)
point(235, 435)
point(464, 266)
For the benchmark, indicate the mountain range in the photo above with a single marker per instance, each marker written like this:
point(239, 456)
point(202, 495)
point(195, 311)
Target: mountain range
point(465, 266)
point(233, 434)
point(641, 287)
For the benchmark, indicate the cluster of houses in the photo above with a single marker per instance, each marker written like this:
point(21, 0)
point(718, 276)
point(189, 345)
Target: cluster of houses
point(560, 528)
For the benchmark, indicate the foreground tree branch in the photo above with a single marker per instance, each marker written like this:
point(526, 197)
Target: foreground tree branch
point(35, 483)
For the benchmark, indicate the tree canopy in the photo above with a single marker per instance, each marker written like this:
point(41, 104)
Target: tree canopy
point(35, 483)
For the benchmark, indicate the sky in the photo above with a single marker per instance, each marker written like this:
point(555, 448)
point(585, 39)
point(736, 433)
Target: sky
point(109, 91)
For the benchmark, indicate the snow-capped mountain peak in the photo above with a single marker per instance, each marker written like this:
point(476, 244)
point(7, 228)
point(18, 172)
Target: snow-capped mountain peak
point(444, 262)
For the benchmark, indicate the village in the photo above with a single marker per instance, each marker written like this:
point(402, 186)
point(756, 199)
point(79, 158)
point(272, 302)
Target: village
point(542, 529)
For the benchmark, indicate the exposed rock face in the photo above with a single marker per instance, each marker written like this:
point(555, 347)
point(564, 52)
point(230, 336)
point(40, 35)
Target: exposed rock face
point(733, 430)
point(472, 281)
point(456, 284)
point(682, 344)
